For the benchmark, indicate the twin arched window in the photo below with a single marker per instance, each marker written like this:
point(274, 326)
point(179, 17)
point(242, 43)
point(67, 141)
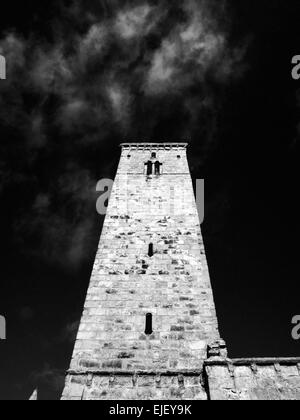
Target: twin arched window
point(149, 166)
point(153, 168)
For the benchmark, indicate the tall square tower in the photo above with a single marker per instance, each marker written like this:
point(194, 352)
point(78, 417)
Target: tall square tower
point(149, 313)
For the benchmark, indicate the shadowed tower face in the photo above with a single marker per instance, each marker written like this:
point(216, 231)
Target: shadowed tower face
point(149, 312)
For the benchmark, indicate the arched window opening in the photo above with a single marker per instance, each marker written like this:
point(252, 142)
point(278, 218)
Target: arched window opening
point(157, 167)
point(148, 329)
point(153, 155)
point(149, 168)
point(151, 250)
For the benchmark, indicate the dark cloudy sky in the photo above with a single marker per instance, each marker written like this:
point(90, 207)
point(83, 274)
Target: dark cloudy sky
point(82, 77)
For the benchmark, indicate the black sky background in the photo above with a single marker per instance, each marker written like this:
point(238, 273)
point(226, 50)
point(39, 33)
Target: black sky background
point(244, 131)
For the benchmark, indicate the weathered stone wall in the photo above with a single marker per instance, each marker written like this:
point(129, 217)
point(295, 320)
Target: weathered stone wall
point(253, 379)
point(184, 358)
point(126, 284)
point(142, 386)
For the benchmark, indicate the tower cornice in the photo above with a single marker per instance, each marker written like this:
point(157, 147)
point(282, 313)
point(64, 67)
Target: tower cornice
point(154, 145)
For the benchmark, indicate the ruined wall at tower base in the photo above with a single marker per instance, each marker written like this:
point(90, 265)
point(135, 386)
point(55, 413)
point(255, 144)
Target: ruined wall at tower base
point(220, 379)
point(253, 379)
point(167, 386)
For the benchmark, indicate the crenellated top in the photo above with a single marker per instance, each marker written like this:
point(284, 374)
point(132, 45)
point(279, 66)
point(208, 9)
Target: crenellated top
point(162, 146)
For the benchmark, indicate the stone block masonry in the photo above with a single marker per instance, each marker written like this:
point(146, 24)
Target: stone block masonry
point(151, 260)
point(149, 328)
point(253, 379)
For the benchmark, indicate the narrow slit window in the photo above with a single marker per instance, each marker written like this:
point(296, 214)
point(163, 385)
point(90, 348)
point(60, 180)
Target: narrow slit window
point(157, 166)
point(151, 250)
point(149, 328)
point(149, 167)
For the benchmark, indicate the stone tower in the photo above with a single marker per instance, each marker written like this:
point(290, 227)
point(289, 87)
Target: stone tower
point(149, 313)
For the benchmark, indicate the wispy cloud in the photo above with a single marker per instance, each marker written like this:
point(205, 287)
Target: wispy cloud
point(134, 22)
point(118, 69)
